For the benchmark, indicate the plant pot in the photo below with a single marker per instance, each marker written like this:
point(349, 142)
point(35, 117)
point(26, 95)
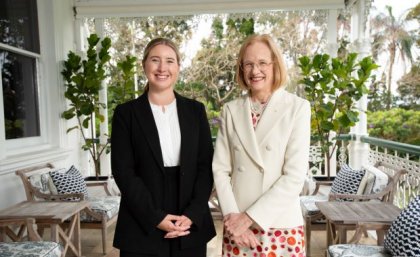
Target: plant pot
point(94, 178)
point(324, 178)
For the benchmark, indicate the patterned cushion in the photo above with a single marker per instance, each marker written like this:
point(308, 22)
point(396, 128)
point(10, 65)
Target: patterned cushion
point(108, 205)
point(69, 182)
point(403, 238)
point(353, 250)
point(44, 183)
point(380, 181)
point(307, 203)
point(31, 249)
point(347, 181)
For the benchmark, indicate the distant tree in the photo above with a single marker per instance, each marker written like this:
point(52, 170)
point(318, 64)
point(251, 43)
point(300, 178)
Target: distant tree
point(299, 34)
point(414, 14)
point(397, 124)
point(212, 73)
point(378, 94)
point(391, 36)
point(409, 88)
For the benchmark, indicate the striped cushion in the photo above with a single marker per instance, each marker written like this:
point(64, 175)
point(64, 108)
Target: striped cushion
point(403, 237)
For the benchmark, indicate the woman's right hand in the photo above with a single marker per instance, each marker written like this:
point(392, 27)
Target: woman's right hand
point(247, 239)
point(168, 225)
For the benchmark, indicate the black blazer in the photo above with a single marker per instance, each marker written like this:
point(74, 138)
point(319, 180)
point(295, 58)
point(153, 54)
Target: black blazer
point(137, 166)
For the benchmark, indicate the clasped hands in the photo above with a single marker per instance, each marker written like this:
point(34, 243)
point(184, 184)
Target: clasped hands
point(175, 225)
point(237, 226)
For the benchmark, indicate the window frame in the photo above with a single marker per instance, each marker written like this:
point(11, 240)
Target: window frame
point(20, 152)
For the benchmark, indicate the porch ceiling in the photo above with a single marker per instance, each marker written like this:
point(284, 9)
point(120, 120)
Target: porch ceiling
point(138, 8)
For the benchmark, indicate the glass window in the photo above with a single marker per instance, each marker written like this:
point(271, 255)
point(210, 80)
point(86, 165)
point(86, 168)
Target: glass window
point(20, 101)
point(19, 54)
point(19, 24)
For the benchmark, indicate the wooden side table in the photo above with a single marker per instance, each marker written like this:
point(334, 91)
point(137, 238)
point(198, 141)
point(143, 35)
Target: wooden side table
point(343, 215)
point(53, 214)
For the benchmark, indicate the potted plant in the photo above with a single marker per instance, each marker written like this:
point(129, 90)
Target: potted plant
point(83, 81)
point(333, 86)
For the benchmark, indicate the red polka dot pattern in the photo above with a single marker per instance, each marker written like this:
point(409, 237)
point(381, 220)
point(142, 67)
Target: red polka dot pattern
point(274, 243)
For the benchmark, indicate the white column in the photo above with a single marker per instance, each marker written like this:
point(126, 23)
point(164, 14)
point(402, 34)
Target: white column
point(331, 50)
point(359, 151)
point(332, 45)
point(103, 98)
point(81, 41)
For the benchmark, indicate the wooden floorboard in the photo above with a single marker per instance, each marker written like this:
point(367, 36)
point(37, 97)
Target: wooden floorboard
point(91, 243)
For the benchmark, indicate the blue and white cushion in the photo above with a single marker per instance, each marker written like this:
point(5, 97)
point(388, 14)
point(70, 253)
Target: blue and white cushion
point(308, 203)
point(69, 182)
point(355, 250)
point(105, 205)
point(31, 249)
point(347, 181)
point(403, 238)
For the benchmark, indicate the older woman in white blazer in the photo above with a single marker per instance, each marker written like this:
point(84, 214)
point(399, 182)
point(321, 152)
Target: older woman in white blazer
point(261, 157)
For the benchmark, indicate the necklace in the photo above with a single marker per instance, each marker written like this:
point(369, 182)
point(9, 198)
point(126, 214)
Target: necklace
point(257, 109)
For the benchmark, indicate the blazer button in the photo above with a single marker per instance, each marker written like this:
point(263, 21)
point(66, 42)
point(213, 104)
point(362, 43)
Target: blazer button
point(268, 147)
point(241, 169)
point(236, 148)
point(261, 170)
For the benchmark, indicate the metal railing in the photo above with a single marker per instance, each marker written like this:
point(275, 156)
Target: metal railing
point(395, 154)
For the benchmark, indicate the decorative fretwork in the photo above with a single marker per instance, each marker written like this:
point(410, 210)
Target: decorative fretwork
point(315, 160)
point(342, 156)
point(409, 185)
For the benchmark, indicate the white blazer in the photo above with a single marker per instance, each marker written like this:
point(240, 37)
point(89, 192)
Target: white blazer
point(262, 172)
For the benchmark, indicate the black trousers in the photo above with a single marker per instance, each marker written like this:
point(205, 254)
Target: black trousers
point(171, 247)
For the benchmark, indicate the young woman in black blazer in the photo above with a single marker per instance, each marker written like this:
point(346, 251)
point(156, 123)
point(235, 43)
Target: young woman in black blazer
point(161, 154)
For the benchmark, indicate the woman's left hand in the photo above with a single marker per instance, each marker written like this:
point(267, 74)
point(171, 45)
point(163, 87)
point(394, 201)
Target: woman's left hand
point(182, 221)
point(237, 223)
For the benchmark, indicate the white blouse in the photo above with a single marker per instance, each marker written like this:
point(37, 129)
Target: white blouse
point(169, 133)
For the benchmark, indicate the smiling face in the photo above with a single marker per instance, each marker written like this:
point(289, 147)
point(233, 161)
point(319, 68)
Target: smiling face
point(257, 68)
point(161, 68)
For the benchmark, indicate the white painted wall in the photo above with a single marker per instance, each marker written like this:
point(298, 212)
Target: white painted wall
point(56, 28)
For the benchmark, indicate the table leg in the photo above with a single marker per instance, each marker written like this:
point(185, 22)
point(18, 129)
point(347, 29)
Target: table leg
point(70, 237)
point(342, 236)
point(380, 234)
point(76, 235)
point(55, 236)
point(329, 233)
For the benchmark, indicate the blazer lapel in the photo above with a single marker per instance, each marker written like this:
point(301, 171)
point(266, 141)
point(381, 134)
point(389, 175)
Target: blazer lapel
point(275, 110)
point(146, 121)
point(241, 116)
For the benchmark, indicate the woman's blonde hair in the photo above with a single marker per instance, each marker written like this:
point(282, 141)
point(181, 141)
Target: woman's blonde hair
point(156, 42)
point(279, 66)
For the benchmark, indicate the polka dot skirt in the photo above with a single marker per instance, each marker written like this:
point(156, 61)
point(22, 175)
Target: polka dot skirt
point(274, 243)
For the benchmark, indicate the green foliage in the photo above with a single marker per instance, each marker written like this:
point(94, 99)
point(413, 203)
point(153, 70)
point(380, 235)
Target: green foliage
point(211, 77)
point(333, 86)
point(397, 124)
point(83, 81)
point(123, 89)
point(409, 88)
